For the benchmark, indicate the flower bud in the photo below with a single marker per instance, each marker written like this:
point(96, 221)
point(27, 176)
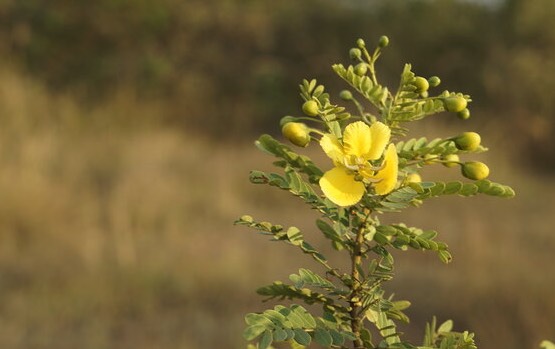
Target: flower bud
point(450, 160)
point(475, 170)
point(310, 108)
point(360, 43)
point(346, 95)
point(421, 84)
point(355, 53)
point(464, 114)
point(454, 104)
point(383, 42)
point(361, 69)
point(469, 141)
point(414, 178)
point(434, 81)
point(297, 133)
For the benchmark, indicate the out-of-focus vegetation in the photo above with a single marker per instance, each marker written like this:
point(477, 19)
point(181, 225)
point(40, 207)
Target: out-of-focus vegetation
point(125, 131)
point(226, 67)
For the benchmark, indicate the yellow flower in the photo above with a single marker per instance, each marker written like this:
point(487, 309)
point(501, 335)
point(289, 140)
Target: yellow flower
point(345, 184)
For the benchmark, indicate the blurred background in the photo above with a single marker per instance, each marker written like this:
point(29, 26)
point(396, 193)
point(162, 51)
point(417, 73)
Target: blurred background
point(126, 130)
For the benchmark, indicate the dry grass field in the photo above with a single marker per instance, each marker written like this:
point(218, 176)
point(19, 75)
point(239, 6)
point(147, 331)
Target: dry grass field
point(118, 234)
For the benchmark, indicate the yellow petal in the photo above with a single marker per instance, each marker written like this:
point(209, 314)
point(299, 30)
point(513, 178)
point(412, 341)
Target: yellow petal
point(380, 134)
point(388, 174)
point(331, 146)
point(340, 187)
point(357, 139)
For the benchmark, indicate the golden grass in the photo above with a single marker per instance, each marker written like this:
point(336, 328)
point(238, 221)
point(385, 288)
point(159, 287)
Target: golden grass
point(116, 232)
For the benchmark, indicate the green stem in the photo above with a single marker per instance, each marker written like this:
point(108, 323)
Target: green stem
point(355, 299)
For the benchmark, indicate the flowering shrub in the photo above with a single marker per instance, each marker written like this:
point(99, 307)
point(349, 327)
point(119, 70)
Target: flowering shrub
point(375, 170)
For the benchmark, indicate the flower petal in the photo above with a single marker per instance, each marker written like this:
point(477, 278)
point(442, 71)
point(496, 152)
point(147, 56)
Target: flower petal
point(388, 174)
point(357, 139)
point(340, 187)
point(331, 146)
point(380, 134)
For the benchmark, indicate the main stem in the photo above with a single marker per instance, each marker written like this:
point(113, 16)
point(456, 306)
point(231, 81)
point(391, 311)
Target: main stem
point(355, 301)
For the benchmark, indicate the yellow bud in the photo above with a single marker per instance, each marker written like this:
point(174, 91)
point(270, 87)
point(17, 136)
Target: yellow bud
point(414, 178)
point(451, 160)
point(297, 133)
point(475, 170)
point(421, 84)
point(310, 108)
point(454, 104)
point(469, 141)
point(464, 114)
point(361, 69)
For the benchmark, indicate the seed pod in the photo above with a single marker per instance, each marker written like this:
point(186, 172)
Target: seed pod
point(454, 104)
point(475, 170)
point(297, 133)
point(469, 141)
point(310, 108)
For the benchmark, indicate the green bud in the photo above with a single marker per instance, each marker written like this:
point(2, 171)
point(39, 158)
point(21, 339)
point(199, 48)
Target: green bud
point(421, 84)
point(424, 94)
point(434, 81)
point(464, 114)
point(450, 160)
point(454, 104)
point(360, 43)
point(310, 108)
point(475, 170)
point(383, 42)
point(469, 141)
point(355, 53)
point(346, 95)
point(297, 133)
point(361, 69)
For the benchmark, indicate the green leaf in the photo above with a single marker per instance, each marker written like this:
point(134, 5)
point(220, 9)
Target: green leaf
point(328, 231)
point(337, 338)
point(302, 337)
point(252, 332)
point(447, 326)
point(305, 317)
point(254, 319)
point(452, 188)
point(323, 337)
point(280, 335)
point(294, 236)
point(445, 256)
point(266, 340)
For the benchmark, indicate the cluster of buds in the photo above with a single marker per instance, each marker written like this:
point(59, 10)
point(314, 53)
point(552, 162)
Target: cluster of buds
point(314, 108)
